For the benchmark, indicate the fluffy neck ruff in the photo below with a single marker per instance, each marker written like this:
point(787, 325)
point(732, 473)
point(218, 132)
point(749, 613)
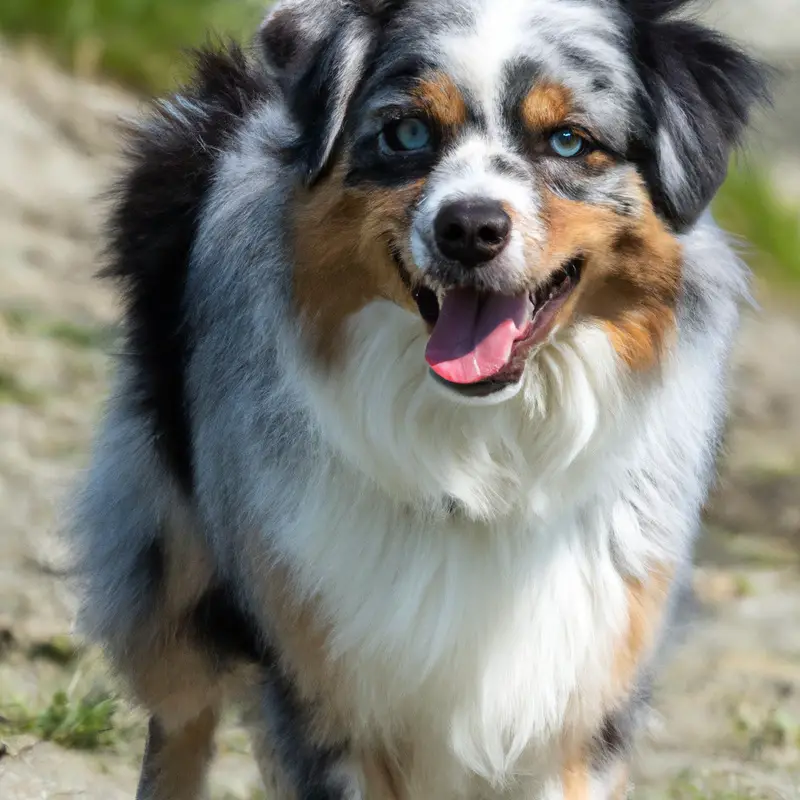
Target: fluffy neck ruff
point(535, 453)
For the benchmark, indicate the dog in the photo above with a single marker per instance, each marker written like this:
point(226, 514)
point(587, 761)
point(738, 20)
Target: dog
point(427, 331)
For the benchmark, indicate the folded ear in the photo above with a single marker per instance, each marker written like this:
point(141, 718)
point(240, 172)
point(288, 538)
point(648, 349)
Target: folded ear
point(700, 89)
point(318, 51)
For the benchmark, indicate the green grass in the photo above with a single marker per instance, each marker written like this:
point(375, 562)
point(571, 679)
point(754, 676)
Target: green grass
point(66, 332)
point(136, 42)
point(686, 788)
point(85, 724)
point(693, 793)
point(776, 729)
point(13, 392)
point(81, 337)
point(749, 208)
point(61, 650)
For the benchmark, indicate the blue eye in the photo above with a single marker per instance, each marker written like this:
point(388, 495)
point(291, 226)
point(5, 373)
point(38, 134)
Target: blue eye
point(407, 136)
point(567, 144)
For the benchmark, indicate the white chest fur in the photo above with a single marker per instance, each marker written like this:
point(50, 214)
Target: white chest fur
point(484, 637)
point(489, 626)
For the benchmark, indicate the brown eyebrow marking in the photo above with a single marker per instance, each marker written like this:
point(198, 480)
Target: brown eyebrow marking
point(439, 96)
point(546, 106)
point(599, 159)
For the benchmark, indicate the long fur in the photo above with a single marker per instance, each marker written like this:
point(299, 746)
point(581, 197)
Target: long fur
point(438, 597)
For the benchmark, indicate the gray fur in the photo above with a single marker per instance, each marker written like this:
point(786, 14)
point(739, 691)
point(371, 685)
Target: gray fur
point(147, 552)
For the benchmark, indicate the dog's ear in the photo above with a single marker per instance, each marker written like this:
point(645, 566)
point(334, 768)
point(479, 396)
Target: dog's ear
point(318, 50)
point(700, 89)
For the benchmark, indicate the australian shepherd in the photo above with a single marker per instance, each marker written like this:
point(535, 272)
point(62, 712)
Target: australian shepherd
point(427, 328)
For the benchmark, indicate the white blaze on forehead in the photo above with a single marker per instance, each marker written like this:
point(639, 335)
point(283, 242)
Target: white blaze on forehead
point(468, 172)
point(479, 55)
point(544, 31)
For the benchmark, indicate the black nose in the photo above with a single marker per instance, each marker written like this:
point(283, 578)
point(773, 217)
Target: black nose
point(472, 232)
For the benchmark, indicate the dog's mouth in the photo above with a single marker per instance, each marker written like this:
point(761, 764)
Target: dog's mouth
point(480, 340)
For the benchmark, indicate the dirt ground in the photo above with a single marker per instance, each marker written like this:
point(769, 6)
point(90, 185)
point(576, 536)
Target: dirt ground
point(729, 705)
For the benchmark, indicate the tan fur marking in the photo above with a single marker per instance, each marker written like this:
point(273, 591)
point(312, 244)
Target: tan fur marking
point(342, 257)
point(631, 279)
point(442, 100)
point(575, 778)
point(161, 654)
point(546, 106)
point(157, 670)
point(646, 599)
point(599, 159)
point(176, 769)
point(380, 778)
point(649, 272)
point(639, 335)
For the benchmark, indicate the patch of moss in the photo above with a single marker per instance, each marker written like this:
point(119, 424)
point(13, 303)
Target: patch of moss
point(83, 724)
point(686, 788)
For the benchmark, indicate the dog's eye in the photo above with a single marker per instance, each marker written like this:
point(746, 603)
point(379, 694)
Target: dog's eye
point(408, 135)
point(567, 143)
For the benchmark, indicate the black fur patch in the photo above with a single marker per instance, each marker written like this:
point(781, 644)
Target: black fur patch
point(616, 737)
point(381, 9)
point(149, 569)
point(314, 102)
point(171, 160)
point(281, 38)
point(519, 77)
point(309, 764)
point(146, 577)
point(228, 633)
point(156, 741)
point(224, 630)
point(369, 166)
point(699, 89)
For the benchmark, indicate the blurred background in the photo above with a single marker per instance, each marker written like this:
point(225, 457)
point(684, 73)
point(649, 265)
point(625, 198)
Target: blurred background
point(729, 705)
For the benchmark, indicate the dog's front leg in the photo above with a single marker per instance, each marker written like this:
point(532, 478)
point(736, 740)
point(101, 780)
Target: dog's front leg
point(300, 762)
point(295, 762)
point(176, 760)
point(588, 777)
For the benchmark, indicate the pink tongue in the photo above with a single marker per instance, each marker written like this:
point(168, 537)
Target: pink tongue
point(475, 333)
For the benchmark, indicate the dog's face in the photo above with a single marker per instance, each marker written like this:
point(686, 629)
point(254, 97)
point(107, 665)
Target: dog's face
point(504, 170)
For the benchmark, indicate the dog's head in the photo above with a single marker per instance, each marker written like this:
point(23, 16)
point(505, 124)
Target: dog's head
point(502, 169)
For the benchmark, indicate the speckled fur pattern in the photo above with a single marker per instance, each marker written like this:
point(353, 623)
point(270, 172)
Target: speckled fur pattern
point(418, 595)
